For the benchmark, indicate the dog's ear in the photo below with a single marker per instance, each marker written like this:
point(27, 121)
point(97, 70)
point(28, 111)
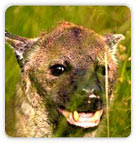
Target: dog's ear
point(112, 41)
point(20, 45)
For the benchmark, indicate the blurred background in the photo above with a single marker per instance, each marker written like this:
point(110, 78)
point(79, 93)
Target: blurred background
point(30, 21)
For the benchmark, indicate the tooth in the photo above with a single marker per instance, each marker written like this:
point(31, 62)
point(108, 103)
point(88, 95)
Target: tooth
point(96, 116)
point(76, 116)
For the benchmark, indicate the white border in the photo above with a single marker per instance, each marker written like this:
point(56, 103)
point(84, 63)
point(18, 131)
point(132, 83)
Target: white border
point(4, 4)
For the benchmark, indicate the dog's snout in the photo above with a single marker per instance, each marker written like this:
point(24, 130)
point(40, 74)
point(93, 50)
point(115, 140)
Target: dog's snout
point(91, 102)
point(95, 102)
point(79, 72)
point(93, 92)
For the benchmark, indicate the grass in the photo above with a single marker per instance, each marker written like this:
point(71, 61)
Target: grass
point(30, 21)
point(106, 94)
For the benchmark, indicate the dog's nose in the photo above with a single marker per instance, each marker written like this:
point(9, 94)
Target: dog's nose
point(94, 102)
point(91, 102)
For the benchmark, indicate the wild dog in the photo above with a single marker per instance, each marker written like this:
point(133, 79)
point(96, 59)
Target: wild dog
point(62, 81)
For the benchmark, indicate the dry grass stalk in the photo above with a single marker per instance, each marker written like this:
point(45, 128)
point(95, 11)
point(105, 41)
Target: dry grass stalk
point(106, 93)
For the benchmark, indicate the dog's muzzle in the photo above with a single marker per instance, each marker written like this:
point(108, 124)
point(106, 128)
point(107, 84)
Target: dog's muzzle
point(87, 114)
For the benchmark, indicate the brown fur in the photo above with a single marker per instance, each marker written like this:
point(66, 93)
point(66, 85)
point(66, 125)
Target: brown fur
point(39, 93)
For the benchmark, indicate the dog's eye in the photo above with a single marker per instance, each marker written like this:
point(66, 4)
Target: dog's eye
point(101, 70)
point(57, 69)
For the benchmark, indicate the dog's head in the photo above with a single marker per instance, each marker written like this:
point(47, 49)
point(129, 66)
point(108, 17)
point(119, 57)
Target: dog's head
point(67, 67)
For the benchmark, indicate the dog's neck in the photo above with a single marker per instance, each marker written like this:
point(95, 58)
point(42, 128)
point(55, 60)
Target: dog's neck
point(30, 112)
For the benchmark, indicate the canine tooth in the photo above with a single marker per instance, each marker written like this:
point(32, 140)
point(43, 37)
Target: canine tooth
point(76, 116)
point(96, 115)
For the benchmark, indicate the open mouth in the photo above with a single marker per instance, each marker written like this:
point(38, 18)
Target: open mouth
point(82, 119)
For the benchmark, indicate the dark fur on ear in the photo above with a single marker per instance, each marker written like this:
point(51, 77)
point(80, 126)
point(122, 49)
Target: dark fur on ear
point(20, 46)
point(112, 41)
